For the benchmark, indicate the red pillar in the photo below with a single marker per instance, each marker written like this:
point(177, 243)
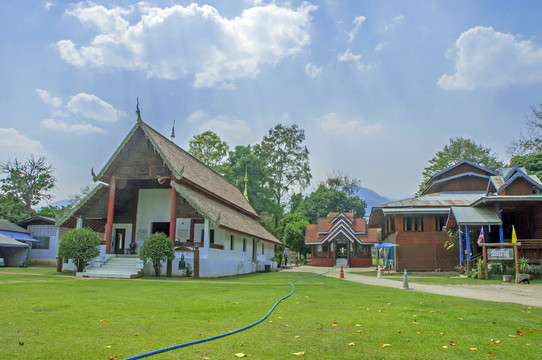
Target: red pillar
point(110, 212)
point(172, 225)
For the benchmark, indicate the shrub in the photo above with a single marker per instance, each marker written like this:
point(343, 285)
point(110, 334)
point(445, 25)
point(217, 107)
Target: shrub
point(157, 247)
point(524, 266)
point(81, 245)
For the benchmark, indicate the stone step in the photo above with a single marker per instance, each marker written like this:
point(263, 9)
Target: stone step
point(117, 267)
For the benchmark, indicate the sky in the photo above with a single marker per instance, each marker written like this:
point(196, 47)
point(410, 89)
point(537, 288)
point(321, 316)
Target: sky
point(378, 86)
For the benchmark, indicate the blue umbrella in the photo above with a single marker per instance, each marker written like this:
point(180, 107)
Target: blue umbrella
point(385, 245)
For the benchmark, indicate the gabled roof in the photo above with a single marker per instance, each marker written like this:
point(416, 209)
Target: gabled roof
point(38, 219)
point(341, 223)
point(463, 162)
point(6, 225)
point(185, 166)
point(513, 176)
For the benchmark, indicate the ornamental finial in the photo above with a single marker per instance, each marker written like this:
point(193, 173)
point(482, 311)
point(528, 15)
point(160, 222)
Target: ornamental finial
point(138, 112)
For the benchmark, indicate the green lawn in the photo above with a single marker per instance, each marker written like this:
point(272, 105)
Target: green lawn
point(51, 316)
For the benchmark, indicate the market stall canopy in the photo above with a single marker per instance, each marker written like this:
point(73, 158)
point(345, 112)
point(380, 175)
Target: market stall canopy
point(472, 216)
point(385, 245)
point(6, 241)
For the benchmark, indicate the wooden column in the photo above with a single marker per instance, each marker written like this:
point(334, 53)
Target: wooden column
point(501, 233)
point(196, 262)
point(134, 218)
point(516, 259)
point(110, 213)
point(461, 252)
point(172, 225)
point(484, 250)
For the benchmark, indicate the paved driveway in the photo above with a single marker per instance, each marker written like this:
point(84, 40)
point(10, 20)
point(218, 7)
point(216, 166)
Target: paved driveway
point(530, 295)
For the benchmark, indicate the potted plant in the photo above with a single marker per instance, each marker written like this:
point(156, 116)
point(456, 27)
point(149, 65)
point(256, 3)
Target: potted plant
point(524, 269)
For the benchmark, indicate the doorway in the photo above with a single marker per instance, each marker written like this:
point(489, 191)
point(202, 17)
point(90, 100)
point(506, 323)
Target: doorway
point(120, 237)
point(160, 227)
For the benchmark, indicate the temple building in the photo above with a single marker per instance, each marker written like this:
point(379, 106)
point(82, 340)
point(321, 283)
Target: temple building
point(151, 185)
point(465, 197)
point(341, 239)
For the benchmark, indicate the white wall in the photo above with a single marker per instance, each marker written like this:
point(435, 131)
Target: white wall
point(44, 254)
point(153, 205)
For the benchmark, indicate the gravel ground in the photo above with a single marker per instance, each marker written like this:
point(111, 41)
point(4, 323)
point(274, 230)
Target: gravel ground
point(530, 295)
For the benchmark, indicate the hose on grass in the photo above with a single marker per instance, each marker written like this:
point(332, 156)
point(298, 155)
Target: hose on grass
point(155, 352)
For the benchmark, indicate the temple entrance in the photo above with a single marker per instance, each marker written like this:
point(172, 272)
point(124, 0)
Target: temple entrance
point(341, 258)
point(118, 245)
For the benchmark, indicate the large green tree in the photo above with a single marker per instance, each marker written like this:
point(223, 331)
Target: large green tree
point(29, 181)
point(291, 231)
point(251, 161)
point(457, 150)
point(11, 209)
point(529, 143)
point(325, 200)
point(532, 163)
point(210, 149)
point(343, 182)
point(288, 158)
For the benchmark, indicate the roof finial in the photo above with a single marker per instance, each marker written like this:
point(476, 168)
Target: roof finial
point(173, 130)
point(138, 112)
point(246, 181)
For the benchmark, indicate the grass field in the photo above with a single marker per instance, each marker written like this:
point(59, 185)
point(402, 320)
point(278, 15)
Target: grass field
point(51, 316)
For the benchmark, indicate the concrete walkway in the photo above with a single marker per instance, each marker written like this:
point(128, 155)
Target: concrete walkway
point(530, 295)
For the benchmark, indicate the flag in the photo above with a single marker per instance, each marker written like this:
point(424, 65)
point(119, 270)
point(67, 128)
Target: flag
point(514, 236)
point(481, 237)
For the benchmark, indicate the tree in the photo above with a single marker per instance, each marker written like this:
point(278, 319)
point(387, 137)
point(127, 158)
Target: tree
point(291, 231)
point(11, 209)
point(457, 150)
point(532, 142)
point(52, 211)
point(157, 247)
point(81, 245)
point(532, 163)
point(251, 161)
point(209, 148)
point(343, 182)
point(288, 158)
point(29, 181)
point(325, 200)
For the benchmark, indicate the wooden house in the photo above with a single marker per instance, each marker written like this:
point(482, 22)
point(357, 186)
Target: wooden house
point(151, 185)
point(341, 239)
point(466, 197)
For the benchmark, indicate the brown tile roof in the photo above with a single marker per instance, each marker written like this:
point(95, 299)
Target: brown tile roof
point(222, 215)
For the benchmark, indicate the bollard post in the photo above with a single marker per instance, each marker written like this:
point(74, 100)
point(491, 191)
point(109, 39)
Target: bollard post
point(341, 276)
point(378, 274)
point(405, 281)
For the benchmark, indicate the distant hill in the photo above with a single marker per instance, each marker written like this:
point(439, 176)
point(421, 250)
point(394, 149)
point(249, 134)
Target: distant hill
point(371, 198)
point(58, 204)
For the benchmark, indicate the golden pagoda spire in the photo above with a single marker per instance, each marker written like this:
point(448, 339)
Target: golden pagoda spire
point(246, 181)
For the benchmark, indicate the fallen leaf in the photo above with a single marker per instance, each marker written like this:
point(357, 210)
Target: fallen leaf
point(385, 345)
point(444, 347)
point(452, 343)
point(240, 355)
point(379, 310)
point(359, 331)
point(473, 349)
point(497, 341)
point(527, 344)
point(136, 334)
point(108, 347)
point(461, 319)
point(286, 325)
point(433, 311)
point(105, 321)
point(358, 325)
point(334, 323)
point(398, 331)
point(441, 334)
point(512, 336)
point(491, 353)
point(367, 309)
point(306, 297)
point(531, 330)
point(112, 357)
point(418, 332)
point(299, 353)
point(270, 321)
point(487, 309)
point(351, 344)
point(21, 343)
point(519, 333)
point(296, 337)
point(206, 358)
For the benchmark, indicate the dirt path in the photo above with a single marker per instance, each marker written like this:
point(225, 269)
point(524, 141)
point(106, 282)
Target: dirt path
point(530, 295)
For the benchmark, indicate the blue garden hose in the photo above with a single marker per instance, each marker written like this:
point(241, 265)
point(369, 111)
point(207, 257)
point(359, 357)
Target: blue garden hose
point(225, 334)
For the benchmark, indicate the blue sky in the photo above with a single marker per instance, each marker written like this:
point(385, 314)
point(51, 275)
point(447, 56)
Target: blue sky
point(378, 86)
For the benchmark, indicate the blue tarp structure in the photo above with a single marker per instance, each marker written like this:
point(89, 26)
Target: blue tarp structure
point(384, 245)
point(388, 255)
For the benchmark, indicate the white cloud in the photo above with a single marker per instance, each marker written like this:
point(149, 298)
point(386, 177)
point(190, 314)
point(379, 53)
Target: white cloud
point(358, 20)
point(313, 71)
point(334, 123)
point(348, 56)
point(232, 130)
point(397, 19)
point(177, 41)
point(486, 58)
point(197, 115)
point(79, 129)
point(15, 145)
point(49, 98)
point(92, 107)
point(48, 5)
point(381, 46)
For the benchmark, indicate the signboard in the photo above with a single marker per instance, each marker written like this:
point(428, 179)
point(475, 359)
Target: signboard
point(500, 254)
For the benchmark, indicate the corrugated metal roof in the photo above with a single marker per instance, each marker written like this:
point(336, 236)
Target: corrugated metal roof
point(506, 198)
point(445, 199)
point(475, 216)
point(417, 210)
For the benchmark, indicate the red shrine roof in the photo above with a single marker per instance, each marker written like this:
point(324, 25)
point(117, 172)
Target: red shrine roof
point(340, 224)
